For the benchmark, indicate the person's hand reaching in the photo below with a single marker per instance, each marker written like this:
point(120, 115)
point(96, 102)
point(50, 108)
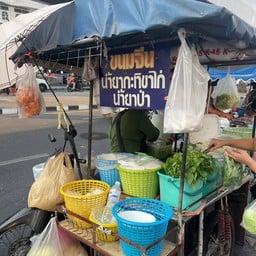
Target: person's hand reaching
point(215, 144)
point(239, 155)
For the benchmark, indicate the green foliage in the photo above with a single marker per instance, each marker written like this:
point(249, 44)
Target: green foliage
point(233, 172)
point(198, 165)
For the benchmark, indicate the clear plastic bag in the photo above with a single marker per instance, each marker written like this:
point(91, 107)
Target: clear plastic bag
point(28, 96)
point(225, 93)
point(249, 218)
point(54, 241)
point(185, 107)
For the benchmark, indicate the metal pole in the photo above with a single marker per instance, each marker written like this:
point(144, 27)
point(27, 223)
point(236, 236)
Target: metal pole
point(201, 234)
point(182, 178)
point(90, 131)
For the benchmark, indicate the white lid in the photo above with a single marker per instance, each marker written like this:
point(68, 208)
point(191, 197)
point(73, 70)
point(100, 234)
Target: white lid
point(210, 129)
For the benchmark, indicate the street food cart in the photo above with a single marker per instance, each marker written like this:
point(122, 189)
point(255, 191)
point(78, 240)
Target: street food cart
point(128, 53)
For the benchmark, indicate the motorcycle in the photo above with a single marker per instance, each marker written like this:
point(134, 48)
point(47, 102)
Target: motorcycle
point(16, 231)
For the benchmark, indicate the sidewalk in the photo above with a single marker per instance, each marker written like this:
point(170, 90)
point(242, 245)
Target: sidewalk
point(70, 101)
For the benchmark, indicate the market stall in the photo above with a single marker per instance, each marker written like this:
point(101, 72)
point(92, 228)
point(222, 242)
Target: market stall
point(128, 51)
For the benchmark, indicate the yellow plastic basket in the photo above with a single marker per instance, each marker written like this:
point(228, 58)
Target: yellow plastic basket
point(140, 183)
point(82, 196)
point(103, 230)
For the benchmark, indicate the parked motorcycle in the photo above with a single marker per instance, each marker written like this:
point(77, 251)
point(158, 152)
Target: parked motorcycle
point(16, 231)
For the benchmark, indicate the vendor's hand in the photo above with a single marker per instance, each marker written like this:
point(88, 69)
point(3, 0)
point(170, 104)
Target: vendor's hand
point(239, 155)
point(215, 144)
point(229, 116)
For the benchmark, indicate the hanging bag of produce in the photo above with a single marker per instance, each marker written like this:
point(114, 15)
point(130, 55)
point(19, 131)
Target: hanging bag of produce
point(225, 93)
point(45, 191)
point(249, 218)
point(28, 96)
point(185, 106)
point(57, 242)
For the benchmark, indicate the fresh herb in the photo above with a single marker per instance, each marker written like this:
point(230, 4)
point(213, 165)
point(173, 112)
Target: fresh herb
point(233, 172)
point(198, 166)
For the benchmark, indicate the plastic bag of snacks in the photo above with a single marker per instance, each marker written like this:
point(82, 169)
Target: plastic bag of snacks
point(29, 97)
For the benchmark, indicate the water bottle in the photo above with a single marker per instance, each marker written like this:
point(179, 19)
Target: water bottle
point(113, 197)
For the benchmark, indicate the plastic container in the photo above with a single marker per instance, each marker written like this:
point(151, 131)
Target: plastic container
point(104, 231)
point(37, 170)
point(214, 180)
point(159, 149)
point(210, 129)
point(139, 175)
point(241, 132)
point(143, 234)
point(113, 198)
point(169, 192)
point(106, 166)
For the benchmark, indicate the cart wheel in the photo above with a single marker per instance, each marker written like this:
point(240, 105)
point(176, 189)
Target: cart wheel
point(16, 240)
point(212, 246)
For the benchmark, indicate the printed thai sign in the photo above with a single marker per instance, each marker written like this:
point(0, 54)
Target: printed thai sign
point(214, 52)
point(137, 77)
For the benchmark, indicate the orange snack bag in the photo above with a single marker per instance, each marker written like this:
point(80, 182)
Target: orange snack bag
point(28, 96)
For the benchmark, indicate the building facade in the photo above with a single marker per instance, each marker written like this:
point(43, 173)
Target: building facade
point(9, 9)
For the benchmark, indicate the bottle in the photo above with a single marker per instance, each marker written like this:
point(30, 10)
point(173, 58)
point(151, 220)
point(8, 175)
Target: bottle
point(113, 197)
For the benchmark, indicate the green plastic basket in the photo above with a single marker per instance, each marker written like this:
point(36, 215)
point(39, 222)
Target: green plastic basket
point(242, 132)
point(139, 183)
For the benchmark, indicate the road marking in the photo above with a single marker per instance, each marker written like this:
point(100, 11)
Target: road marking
point(23, 159)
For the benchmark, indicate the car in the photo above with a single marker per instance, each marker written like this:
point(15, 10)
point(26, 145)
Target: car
point(42, 84)
point(45, 87)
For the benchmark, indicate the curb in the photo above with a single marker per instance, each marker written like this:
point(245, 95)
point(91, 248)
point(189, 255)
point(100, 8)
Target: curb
point(8, 111)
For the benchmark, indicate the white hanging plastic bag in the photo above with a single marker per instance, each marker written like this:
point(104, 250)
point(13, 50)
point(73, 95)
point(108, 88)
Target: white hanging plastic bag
point(225, 93)
point(28, 96)
point(185, 106)
point(56, 242)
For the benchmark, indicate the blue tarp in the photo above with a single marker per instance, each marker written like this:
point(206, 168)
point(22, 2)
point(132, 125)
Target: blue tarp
point(246, 73)
point(134, 21)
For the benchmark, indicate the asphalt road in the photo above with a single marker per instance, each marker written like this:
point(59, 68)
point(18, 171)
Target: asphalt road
point(25, 143)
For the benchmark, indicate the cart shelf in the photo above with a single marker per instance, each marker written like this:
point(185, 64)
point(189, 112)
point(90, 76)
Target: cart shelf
point(88, 237)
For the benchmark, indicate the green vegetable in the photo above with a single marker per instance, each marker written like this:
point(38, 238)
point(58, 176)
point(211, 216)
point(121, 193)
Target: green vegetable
point(226, 101)
point(233, 172)
point(249, 219)
point(198, 165)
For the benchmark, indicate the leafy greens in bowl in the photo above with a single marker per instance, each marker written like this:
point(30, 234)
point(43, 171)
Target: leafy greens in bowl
point(198, 166)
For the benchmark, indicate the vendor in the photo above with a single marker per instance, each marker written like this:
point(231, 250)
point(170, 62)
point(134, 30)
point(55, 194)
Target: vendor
point(129, 131)
point(239, 154)
point(213, 110)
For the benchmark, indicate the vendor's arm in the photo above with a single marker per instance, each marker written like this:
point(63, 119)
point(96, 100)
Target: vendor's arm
point(213, 110)
point(246, 144)
point(242, 157)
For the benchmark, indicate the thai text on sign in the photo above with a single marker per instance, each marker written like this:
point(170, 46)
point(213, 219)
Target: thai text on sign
point(136, 77)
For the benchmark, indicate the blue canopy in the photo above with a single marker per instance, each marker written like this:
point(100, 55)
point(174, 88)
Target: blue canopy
point(121, 23)
point(246, 73)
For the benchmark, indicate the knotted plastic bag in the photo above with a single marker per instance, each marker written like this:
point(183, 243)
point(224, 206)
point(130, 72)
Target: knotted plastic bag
point(28, 96)
point(225, 93)
point(45, 191)
point(185, 106)
point(54, 241)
